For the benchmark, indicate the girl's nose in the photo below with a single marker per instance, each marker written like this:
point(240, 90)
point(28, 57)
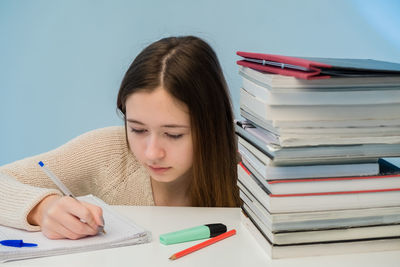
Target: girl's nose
point(154, 150)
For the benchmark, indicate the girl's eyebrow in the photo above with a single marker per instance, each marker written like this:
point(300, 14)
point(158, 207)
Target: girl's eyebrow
point(134, 121)
point(165, 126)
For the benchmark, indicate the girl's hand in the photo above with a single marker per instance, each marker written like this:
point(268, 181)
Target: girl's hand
point(65, 217)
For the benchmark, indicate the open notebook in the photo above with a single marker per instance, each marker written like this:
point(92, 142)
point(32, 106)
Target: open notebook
point(120, 232)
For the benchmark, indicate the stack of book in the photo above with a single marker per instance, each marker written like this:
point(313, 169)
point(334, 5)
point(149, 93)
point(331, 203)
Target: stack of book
point(312, 178)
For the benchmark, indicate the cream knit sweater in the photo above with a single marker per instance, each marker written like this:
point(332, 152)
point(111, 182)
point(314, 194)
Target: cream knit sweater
point(98, 162)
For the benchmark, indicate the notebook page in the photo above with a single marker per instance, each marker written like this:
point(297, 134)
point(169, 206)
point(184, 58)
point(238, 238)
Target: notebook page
point(119, 232)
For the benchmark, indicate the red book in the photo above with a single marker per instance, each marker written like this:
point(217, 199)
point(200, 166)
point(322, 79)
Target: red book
point(326, 185)
point(317, 68)
point(316, 201)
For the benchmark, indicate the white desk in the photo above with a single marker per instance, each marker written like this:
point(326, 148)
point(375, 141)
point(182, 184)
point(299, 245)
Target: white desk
point(238, 250)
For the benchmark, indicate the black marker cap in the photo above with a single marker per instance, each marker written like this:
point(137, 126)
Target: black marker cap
point(216, 229)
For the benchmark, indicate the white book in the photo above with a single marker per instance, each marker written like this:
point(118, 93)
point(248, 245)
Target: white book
point(318, 112)
point(119, 232)
point(319, 249)
point(303, 221)
point(296, 140)
point(321, 96)
point(282, 83)
point(324, 235)
point(374, 131)
point(311, 155)
point(263, 165)
point(283, 203)
point(323, 185)
point(326, 136)
point(278, 126)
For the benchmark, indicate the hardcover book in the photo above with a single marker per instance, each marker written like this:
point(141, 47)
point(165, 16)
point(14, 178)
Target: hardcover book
point(318, 68)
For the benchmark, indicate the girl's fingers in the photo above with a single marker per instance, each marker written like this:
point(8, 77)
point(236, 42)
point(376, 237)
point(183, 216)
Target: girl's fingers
point(76, 225)
point(97, 213)
point(70, 218)
point(60, 232)
point(80, 210)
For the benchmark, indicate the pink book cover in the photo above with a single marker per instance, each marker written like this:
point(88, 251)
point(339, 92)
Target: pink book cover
point(310, 68)
point(312, 72)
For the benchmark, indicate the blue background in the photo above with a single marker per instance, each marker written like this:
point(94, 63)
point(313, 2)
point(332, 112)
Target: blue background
point(61, 62)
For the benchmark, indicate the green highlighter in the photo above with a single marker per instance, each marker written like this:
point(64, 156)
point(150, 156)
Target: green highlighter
point(194, 233)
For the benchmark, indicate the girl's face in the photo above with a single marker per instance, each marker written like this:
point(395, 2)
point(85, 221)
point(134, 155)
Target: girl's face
point(159, 134)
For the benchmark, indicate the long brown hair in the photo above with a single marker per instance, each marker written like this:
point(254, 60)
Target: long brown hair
point(188, 68)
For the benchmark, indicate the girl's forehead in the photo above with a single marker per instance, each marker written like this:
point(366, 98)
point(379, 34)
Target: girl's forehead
point(156, 107)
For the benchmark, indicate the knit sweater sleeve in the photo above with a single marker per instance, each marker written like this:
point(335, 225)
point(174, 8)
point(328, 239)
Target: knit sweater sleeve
point(17, 200)
point(79, 164)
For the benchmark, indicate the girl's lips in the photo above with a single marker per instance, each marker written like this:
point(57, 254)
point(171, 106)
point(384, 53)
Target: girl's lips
point(158, 170)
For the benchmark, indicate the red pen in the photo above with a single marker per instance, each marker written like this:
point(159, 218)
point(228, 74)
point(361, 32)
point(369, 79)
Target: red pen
point(202, 244)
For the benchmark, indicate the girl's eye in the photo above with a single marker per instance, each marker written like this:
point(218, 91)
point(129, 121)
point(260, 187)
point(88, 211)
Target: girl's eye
point(137, 131)
point(174, 136)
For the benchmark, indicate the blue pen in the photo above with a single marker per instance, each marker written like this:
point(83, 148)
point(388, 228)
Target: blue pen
point(17, 243)
point(55, 180)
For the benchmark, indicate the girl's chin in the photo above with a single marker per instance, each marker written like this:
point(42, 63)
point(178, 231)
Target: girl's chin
point(162, 179)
